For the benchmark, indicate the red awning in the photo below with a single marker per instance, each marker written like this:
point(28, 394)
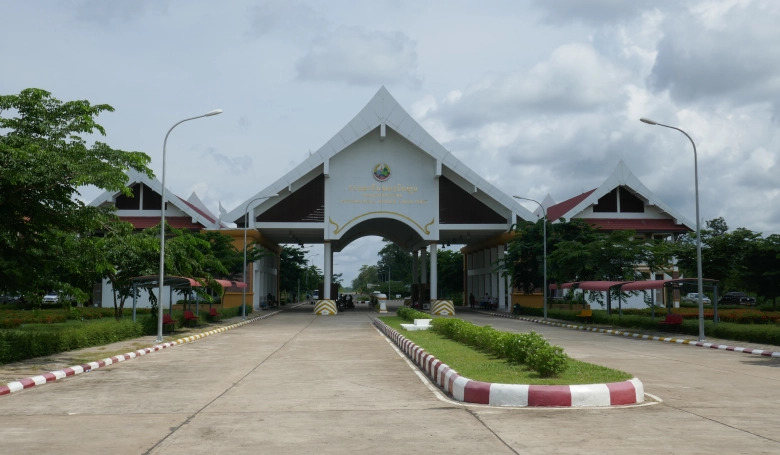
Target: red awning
point(569, 285)
point(600, 285)
point(643, 285)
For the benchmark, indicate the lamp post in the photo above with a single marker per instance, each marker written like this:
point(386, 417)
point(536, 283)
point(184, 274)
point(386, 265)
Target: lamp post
point(246, 227)
point(162, 223)
point(698, 225)
point(544, 213)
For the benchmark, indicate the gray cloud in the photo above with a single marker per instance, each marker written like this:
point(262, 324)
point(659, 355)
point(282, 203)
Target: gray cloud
point(594, 12)
point(727, 55)
point(360, 57)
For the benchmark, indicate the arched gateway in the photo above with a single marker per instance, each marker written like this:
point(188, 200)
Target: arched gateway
point(384, 175)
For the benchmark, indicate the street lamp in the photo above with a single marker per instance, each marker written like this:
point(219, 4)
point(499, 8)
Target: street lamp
point(162, 223)
point(544, 213)
point(698, 226)
point(246, 226)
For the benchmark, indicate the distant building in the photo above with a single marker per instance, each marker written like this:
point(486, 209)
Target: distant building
point(622, 203)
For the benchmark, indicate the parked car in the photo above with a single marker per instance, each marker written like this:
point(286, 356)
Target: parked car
point(51, 297)
point(740, 298)
point(693, 297)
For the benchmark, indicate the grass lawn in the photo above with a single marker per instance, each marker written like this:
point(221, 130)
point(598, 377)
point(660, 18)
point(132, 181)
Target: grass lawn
point(479, 366)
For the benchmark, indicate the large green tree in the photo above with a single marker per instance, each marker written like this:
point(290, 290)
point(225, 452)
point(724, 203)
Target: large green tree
point(450, 273)
point(45, 157)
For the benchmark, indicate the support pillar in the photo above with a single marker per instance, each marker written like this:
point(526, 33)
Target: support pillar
point(434, 272)
point(328, 271)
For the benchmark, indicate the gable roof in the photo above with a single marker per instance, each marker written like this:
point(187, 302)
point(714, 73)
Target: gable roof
point(621, 176)
point(194, 208)
point(383, 111)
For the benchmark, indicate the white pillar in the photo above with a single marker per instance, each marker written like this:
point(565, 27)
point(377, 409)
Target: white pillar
point(501, 279)
point(493, 255)
point(328, 269)
point(434, 272)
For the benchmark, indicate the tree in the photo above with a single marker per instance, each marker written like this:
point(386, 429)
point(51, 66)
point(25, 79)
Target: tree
point(369, 274)
point(44, 160)
point(293, 263)
point(763, 275)
point(450, 272)
point(397, 260)
point(724, 255)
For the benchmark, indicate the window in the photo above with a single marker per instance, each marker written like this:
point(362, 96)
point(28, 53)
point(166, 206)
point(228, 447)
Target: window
point(629, 202)
point(607, 203)
point(152, 199)
point(130, 202)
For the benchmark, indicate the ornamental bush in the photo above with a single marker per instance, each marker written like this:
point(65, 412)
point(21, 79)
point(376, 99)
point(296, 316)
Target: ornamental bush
point(39, 341)
point(529, 349)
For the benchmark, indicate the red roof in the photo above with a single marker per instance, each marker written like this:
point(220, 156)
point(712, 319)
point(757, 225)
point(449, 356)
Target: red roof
point(195, 207)
point(599, 285)
point(638, 225)
point(558, 210)
point(179, 222)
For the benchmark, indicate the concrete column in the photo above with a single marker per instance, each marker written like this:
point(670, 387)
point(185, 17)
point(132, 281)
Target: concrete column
point(493, 252)
point(328, 270)
point(502, 303)
point(434, 272)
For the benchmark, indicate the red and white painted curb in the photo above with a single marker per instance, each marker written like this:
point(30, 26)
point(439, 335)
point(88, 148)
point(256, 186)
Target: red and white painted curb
point(467, 390)
point(52, 376)
point(639, 336)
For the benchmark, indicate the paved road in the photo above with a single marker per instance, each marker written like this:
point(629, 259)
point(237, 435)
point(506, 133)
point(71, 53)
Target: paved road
point(297, 383)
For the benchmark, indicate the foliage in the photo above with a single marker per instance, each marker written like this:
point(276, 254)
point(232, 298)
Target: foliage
point(369, 274)
point(529, 349)
point(450, 273)
point(45, 158)
point(293, 265)
point(38, 341)
point(739, 260)
point(397, 260)
point(578, 252)
point(480, 366)
point(410, 314)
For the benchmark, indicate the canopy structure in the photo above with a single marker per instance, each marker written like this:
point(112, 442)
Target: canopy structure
point(149, 282)
point(628, 286)
point(179, 282)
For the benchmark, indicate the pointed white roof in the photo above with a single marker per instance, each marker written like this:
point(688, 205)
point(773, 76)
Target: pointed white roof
point(384, 110)
point(622, 175)
point(193, 207)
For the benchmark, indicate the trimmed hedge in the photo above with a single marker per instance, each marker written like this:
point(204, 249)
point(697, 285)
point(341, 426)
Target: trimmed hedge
point(529, 349)
point(39, 341)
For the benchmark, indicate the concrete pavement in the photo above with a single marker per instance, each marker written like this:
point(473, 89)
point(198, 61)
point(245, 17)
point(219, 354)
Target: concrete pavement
point(298, 383)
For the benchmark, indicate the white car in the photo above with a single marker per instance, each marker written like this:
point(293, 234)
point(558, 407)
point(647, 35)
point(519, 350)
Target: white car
point(693, 297)
point(51, 297)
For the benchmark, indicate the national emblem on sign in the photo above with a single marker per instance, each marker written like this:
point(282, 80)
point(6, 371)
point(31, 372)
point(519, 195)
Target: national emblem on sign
point(381, 172)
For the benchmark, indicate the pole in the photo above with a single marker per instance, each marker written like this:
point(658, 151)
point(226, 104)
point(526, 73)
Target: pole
point(162, 223)
point(243, 274)
point(700, 281)
point(544, 252)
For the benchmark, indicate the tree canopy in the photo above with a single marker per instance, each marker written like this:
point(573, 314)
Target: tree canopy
point(45, 158)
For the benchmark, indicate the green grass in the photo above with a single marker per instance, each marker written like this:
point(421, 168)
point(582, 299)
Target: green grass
point(479, 366)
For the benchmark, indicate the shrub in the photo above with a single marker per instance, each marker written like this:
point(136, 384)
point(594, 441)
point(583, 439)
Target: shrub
point(530, 349)
point(38, 341)
point(411, 314)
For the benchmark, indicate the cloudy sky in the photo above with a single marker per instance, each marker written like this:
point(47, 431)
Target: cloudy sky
point(538, 96)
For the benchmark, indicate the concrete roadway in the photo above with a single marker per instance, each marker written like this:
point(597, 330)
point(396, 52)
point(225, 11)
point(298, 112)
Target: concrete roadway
point(297, 383)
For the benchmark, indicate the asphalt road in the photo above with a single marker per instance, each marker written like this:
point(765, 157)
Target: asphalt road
point(297, 383)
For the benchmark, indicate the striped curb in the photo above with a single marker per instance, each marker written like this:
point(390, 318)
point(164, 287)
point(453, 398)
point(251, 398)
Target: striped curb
point(466, 390)
point(639, 336)
point(52, 376)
